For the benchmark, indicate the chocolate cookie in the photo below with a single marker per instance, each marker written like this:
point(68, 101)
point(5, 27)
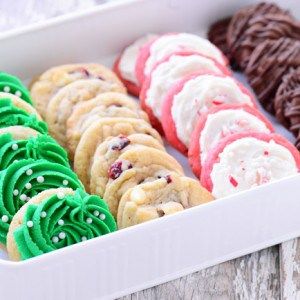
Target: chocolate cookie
point(268, 64)
point(240, 28)
point(287, 101)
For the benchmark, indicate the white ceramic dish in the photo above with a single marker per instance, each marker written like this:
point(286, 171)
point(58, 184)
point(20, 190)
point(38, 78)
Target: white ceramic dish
point(158, 251)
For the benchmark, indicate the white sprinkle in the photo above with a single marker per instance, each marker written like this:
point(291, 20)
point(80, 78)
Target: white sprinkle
point(55, 239)
point(43, 214)
point(60, 195)
point(96, 213)
point(89, 220)
point(83, 238)
point(6, 89)
point(16, 160)
point(61, 222)
point(28, 185)
point(29, 224)
point(40, 179)
point(28, 198)
point(18, 93)
point(23, 197)
point(29, 172)
point(62, 235)
point(16, 192)
point(102, 217)
point(65, 182)
point(14, 146)
point(4, 218)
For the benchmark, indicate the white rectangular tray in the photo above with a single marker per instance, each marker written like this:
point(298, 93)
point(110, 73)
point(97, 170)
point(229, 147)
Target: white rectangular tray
point(161, 250)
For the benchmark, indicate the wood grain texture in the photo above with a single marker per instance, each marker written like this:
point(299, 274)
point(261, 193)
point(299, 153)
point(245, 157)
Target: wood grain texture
point(254, 276)
point(290, 269)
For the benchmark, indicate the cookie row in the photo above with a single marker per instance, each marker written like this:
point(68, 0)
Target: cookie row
point(263, 40)
point(115, 150)
point(199, 106)
point(35, 179)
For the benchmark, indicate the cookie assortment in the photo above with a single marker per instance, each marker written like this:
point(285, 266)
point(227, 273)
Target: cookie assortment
point(263, 41)
point(190, 96)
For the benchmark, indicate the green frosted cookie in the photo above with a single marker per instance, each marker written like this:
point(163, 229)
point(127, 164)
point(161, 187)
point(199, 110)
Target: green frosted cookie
point(55, 219)
point(13, 85)
point(40, 147)
point(11, 115)
point(24, 179)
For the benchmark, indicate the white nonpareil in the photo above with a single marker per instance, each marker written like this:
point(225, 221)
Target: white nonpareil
point(167, 73)
point(170, 43)
point(249, 162)
point(197, 96)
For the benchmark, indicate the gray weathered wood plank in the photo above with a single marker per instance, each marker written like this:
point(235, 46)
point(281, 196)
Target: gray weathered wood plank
point(290, 269)
point(254, 276)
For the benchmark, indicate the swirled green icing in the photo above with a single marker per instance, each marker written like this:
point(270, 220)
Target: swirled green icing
point(11, 115)
point(26, 178)
point(5, 77)
point(83, 217)
point(11, 84)
point(40, 147)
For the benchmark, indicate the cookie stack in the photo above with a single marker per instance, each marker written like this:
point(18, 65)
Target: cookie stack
point(115, 152)
point(37, 185)
point(263, 41)
point(190, 96)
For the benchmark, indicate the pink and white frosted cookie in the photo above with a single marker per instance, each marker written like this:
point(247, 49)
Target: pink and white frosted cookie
point(125, 64)
point(218, 123)
point(191, 97)
point(168, 72)
point(166, 44)
point(245, 160)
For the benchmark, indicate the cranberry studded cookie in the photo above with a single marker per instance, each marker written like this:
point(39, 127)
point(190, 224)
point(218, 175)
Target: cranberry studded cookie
point(166, 73)
point(97, 133)
point(104, 105)
point(191, 97)
point(166, 44)
point(245, 160)
point(125, 65)
point(57, 218)
point(134, 167)
point(61, 105)
point(110, 150)
point(158, 198)
point(218, 123)
point(55, 78)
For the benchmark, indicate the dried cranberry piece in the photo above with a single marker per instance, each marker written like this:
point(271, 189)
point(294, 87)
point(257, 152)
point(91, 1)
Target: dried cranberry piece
point(117, 168)
point(168, 178)
point(121, 144)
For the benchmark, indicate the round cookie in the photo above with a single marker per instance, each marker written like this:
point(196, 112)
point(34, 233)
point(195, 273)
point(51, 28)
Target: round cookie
point(55, 78)
point(166, 73)
point(24, 179)
point(57, 218)
point(191, 97)
point(245, 160)
point(268, 64)
point(104, 105)
point(10, 115)
point(38, 147)
point(61, 105)
point(161, 197)
point(97, 133)
point(20, 103)
point(125, 64)
point(166, 44)
point(134, 167)
point(109, 151)
point(220, 122)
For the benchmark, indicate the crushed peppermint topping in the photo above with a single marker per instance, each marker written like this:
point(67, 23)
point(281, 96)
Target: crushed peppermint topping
point(217, 102)
point(233, 181)
point(266, 152)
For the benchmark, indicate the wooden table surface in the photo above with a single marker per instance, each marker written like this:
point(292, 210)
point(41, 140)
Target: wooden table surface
point(273, 273)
